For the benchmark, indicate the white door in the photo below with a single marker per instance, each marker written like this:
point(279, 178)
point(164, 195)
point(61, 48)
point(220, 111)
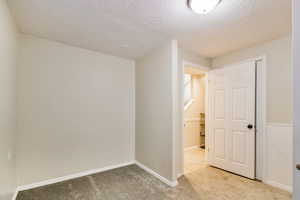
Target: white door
point(232, 119)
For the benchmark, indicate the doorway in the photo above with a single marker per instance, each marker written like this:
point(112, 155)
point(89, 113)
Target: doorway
point(194, 137)
point(248, 162)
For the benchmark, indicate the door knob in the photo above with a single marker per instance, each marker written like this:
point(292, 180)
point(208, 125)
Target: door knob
point(298, 166)
point(250, 126)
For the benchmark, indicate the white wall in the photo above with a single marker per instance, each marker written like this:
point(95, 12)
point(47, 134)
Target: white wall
point(279, 75)
point(8, 53)
point(279, 96)
point(154, 120)
point(75, 110)
point(296, 84)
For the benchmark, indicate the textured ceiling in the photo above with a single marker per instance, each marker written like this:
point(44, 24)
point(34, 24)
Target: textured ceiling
point(130, 28)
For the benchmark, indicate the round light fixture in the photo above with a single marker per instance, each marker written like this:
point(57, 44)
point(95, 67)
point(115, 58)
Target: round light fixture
point(203, 6)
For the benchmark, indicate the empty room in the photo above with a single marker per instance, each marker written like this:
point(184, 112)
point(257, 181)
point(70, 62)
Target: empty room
point(156, 100)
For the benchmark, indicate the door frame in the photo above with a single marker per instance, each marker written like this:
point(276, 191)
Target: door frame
point(205, 70)
point(261, 98)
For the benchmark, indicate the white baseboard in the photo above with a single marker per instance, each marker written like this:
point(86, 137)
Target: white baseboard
point(94, 171)
point(89, 172)
point(279, 185)
point(72, 176)
point(150, 171)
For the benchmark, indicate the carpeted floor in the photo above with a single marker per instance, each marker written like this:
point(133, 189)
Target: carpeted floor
point(127, 183)
point(200, 182)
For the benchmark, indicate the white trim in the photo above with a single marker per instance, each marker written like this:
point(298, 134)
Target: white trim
point(163, 179)
point(72, 176)
point(261, 115)
point(279, 185)
point(181, 122)
point(90, 172)
point(264, 115)
point(175, 106)
point(133, 117)
point(15, 194)
point(206, 107)
point(191, 148)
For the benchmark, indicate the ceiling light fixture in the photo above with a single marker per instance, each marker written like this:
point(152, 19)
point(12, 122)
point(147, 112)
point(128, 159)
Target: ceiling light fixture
point(203, 6)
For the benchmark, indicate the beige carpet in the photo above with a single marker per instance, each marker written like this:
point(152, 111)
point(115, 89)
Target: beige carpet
point(215, 184)
point(200, 182)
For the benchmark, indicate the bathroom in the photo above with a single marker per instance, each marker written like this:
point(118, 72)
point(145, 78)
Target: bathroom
point(195, 89)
